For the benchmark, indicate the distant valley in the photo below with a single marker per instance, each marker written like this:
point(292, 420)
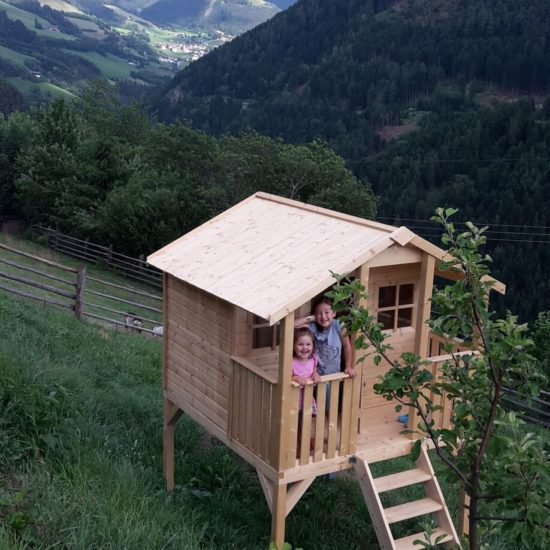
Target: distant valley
point(52, 48)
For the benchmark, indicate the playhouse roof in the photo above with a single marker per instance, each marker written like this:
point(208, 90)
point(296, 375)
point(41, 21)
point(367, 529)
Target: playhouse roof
point(269, 255)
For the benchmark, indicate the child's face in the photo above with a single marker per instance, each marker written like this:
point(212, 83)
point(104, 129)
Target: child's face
point(324, 315)
point(303, 347)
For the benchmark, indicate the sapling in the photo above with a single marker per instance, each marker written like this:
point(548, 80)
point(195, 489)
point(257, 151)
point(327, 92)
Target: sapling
point(500, 463)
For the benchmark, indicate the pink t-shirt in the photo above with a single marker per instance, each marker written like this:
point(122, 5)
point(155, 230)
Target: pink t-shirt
point(305, 370)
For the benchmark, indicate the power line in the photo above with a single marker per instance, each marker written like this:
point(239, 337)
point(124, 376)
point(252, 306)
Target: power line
point(493, 239)
point(463, 223)
point(451, 161)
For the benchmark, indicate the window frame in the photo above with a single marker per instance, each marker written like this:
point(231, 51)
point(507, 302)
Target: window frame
point(396, 306)
point(257, 324)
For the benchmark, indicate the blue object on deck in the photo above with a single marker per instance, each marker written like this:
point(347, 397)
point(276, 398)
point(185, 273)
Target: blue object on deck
point(404, 418)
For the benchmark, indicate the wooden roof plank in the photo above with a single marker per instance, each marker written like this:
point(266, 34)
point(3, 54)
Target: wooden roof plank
point(269, 255)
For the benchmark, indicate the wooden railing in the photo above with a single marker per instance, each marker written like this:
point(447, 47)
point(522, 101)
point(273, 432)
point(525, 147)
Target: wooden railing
point(332, 431)
point(250, 409)
point(438, 345)
point(438, 355)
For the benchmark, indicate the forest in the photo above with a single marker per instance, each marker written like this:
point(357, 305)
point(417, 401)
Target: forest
point(103, 170)
point(447, 77)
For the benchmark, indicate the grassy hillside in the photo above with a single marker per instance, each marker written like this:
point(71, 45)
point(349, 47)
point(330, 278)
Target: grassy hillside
point(81, 461)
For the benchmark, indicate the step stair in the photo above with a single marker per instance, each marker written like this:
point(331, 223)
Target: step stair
point(407, 543)
point(412, 509)
point(401, 479)
point(433, 503)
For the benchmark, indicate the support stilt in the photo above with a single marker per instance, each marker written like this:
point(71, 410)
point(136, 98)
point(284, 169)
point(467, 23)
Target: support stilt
point(278, 515)
point(171, 415)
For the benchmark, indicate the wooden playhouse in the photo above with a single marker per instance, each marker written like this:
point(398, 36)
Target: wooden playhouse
point(232, 289)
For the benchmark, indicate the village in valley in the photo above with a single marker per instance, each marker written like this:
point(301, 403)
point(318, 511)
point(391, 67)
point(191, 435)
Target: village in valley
point(185, 47)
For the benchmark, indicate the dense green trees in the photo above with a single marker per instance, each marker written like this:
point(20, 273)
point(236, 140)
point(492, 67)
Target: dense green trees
point(492, 164)
point(335, 70)
point(101, 170)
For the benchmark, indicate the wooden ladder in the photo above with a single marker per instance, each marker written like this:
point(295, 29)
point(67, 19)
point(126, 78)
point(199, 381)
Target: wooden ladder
point(433, 503)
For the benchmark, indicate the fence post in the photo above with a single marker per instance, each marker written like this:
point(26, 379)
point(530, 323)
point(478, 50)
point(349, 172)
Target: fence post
point(79, 297)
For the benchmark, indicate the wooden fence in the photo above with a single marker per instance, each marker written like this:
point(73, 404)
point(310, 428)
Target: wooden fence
point(116, 306)
point(134, 268)
point(75, 281)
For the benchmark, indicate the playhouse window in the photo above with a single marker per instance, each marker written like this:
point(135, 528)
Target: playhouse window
point(264, 336)
point(395, 306)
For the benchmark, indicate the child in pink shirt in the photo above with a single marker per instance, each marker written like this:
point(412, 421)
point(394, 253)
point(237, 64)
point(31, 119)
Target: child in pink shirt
point(304, 362)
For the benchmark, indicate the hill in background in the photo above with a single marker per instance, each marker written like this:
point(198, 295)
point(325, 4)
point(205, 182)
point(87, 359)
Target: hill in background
point(422, 97)
point(52, 48)
point(230, 16)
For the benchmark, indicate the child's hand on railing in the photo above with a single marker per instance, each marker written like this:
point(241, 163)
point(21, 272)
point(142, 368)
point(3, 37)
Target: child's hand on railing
point(350, 371)
point(316, 378)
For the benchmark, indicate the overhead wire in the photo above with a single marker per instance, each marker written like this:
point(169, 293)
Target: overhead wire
point(493, 235)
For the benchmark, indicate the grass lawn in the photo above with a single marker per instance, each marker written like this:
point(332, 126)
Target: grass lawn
point(13, 56)
point(60, 5)
point(111, 67)
point(25, 86)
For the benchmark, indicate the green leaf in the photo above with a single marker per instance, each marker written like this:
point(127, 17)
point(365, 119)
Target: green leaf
point(415, 451)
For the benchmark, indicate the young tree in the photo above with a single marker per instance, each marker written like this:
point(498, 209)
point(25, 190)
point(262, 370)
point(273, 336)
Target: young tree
point(501, 464)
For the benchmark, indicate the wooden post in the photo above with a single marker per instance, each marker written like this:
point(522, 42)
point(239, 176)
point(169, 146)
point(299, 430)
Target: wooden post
point(282, 394)
point(280, 428)
point(79, 294)
point(422, 336)
point(171, 415)
point(278, 515)
point(357, 388)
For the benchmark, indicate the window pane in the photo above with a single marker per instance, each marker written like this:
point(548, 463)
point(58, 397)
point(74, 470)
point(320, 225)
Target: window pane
point(387, 319)
point(406, 294)
point(386, 296)
point(262, 337)
point(404, 317)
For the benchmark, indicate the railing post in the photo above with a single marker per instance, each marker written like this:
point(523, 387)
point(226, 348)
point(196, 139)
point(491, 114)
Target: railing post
point(79, 295)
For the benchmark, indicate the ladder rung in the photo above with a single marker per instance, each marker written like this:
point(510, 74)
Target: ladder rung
point(402, 479)
point(407, 543)
point(412, 509)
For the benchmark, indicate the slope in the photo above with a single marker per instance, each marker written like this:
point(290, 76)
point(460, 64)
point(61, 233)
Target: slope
point(81, 461)
point(362, 73)
point(342, 70)
point(232, 16)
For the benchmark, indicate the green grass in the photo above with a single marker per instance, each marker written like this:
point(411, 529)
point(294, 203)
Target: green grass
point(81, 460)
point(13, 56)
point(111, 67)
point(82, 453)
point(45, 88)
point(91, 28)
point(28, 19)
